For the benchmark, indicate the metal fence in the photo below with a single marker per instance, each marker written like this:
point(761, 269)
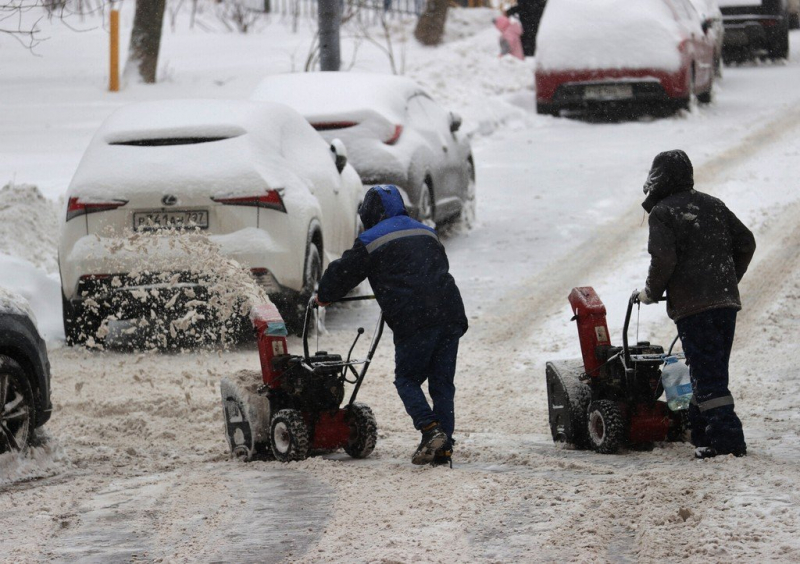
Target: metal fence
point(308, 8)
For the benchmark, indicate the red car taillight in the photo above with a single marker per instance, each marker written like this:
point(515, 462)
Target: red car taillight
point(271, 200)
point(398, 130)
point(330, 125)
point(76, 207)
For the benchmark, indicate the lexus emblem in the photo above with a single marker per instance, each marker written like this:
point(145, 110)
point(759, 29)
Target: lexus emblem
point(169, 200)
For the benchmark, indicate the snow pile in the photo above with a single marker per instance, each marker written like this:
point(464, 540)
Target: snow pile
point(28, 225)
point(608, 34)
point(188, 294)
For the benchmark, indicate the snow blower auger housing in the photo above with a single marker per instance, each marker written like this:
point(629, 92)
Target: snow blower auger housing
point(609, 398)
point(293, 408)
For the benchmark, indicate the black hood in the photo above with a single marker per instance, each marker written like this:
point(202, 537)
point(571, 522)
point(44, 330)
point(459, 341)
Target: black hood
point(671, 173)
point(381, 202)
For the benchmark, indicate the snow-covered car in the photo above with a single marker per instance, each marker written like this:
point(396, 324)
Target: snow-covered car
point(24, 374)
point(395, 134)
point(711, 16)
point(255, 177)
point(755, 28)
point(599, 52)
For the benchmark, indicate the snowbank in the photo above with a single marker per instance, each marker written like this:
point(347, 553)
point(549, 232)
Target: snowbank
point(608, 34)
point(28, 225)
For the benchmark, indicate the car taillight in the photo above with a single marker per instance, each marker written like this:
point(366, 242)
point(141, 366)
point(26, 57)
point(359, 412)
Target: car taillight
point(271, 200)
point(76, 207)
point(398, 130)
point(768, 22)
point(330, 125)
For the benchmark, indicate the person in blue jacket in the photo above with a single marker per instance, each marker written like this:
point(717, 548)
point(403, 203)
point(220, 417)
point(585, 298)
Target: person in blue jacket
point(409, 273)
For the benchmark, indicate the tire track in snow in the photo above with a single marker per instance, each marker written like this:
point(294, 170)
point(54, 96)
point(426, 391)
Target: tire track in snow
point(516, 315)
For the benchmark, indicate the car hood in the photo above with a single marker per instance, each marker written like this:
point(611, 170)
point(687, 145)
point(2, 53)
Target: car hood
point(608, 34)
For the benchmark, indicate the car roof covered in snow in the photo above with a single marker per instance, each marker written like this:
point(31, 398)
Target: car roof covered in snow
point(221, 147)
point(327, 94)
point(11, 302)
point(608, 34)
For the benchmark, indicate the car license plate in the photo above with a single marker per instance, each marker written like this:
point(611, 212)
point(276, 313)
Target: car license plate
point(608, 92)
point(175, 219)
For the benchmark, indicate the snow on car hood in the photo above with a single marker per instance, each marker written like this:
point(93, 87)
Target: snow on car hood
point(11, 302)
point(608, 34)
point(321, 95)
point(215, 147)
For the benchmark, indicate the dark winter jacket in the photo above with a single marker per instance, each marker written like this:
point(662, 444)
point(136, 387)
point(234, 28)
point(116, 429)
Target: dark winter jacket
point(699, 249)
point(529, 13)
point(406, 265)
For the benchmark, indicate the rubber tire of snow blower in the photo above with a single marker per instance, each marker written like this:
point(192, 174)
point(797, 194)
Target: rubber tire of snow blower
point(288, 436)
point(606, 426)
point(363, 431)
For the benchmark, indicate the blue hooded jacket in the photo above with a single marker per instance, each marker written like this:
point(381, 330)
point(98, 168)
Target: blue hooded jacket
point(406, 266)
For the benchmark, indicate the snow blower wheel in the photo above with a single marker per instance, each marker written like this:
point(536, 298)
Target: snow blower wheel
point(289, 436)
point(363, 431)
point(606, 427)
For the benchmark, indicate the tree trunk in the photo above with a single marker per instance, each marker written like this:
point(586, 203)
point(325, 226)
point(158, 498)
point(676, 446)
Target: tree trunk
point(430, 26)
point(145, 41)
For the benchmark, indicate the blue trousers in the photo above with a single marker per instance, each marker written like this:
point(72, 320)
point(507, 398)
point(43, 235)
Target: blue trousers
point(707, 339)
point(430, 354)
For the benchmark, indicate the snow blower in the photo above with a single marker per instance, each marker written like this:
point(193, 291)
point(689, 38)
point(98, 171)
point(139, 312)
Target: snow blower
point(293, 407)
point(608, 399)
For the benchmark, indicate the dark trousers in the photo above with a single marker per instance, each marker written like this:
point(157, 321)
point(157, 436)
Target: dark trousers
point(707, 339)
point(429, 354)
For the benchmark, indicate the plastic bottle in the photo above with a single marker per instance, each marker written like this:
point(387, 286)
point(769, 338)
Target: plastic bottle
point(676, 382)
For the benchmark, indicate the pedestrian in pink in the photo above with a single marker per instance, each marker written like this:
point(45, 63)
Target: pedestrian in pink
point(510, 34)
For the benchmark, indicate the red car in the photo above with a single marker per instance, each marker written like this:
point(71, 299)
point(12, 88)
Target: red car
point(595, 53)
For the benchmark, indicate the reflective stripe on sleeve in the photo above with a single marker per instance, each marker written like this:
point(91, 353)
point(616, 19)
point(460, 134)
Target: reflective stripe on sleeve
point(380, 241)
point(716, 402)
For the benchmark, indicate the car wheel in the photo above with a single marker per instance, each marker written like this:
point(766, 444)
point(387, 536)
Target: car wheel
point(426, 206)
point(312, 273)
point(80, 323)
point(17, 411)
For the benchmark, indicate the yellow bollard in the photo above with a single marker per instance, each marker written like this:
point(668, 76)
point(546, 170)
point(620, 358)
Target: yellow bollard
point(113, 81)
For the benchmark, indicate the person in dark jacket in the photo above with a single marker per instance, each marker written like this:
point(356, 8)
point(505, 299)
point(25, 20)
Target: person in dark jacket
point(529, 13)
point(408, 270)
point(699, 252)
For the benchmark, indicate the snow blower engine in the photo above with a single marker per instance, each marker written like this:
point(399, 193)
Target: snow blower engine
point(609, 398)
point(292, 408)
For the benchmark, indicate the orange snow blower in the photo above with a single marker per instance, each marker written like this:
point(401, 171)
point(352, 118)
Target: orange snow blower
point(608, 399)
point(293, 407)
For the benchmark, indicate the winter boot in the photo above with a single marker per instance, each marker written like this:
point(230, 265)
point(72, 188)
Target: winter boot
point(433, 439)
point(701, 453)
point(444, 456)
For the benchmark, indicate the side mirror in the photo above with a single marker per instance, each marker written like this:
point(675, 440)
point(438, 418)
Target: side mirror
point(455, 122)
point(707, 25)
point(339, 153)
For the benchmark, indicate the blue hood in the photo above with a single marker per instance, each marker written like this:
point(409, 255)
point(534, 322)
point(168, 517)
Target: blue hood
point(381, 202)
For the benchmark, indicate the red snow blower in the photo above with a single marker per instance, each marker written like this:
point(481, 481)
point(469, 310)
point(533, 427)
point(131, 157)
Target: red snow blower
point(293, 407)
point(609, 398)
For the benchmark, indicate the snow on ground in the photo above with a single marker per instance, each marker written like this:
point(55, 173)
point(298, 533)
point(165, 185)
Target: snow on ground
point(141, 470)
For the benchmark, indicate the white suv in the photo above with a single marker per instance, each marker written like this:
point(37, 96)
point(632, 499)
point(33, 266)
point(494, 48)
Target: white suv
point(255, 177)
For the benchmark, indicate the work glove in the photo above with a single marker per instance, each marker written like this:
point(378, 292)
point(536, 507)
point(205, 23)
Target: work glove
point(321, 304)
point(644, 298)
